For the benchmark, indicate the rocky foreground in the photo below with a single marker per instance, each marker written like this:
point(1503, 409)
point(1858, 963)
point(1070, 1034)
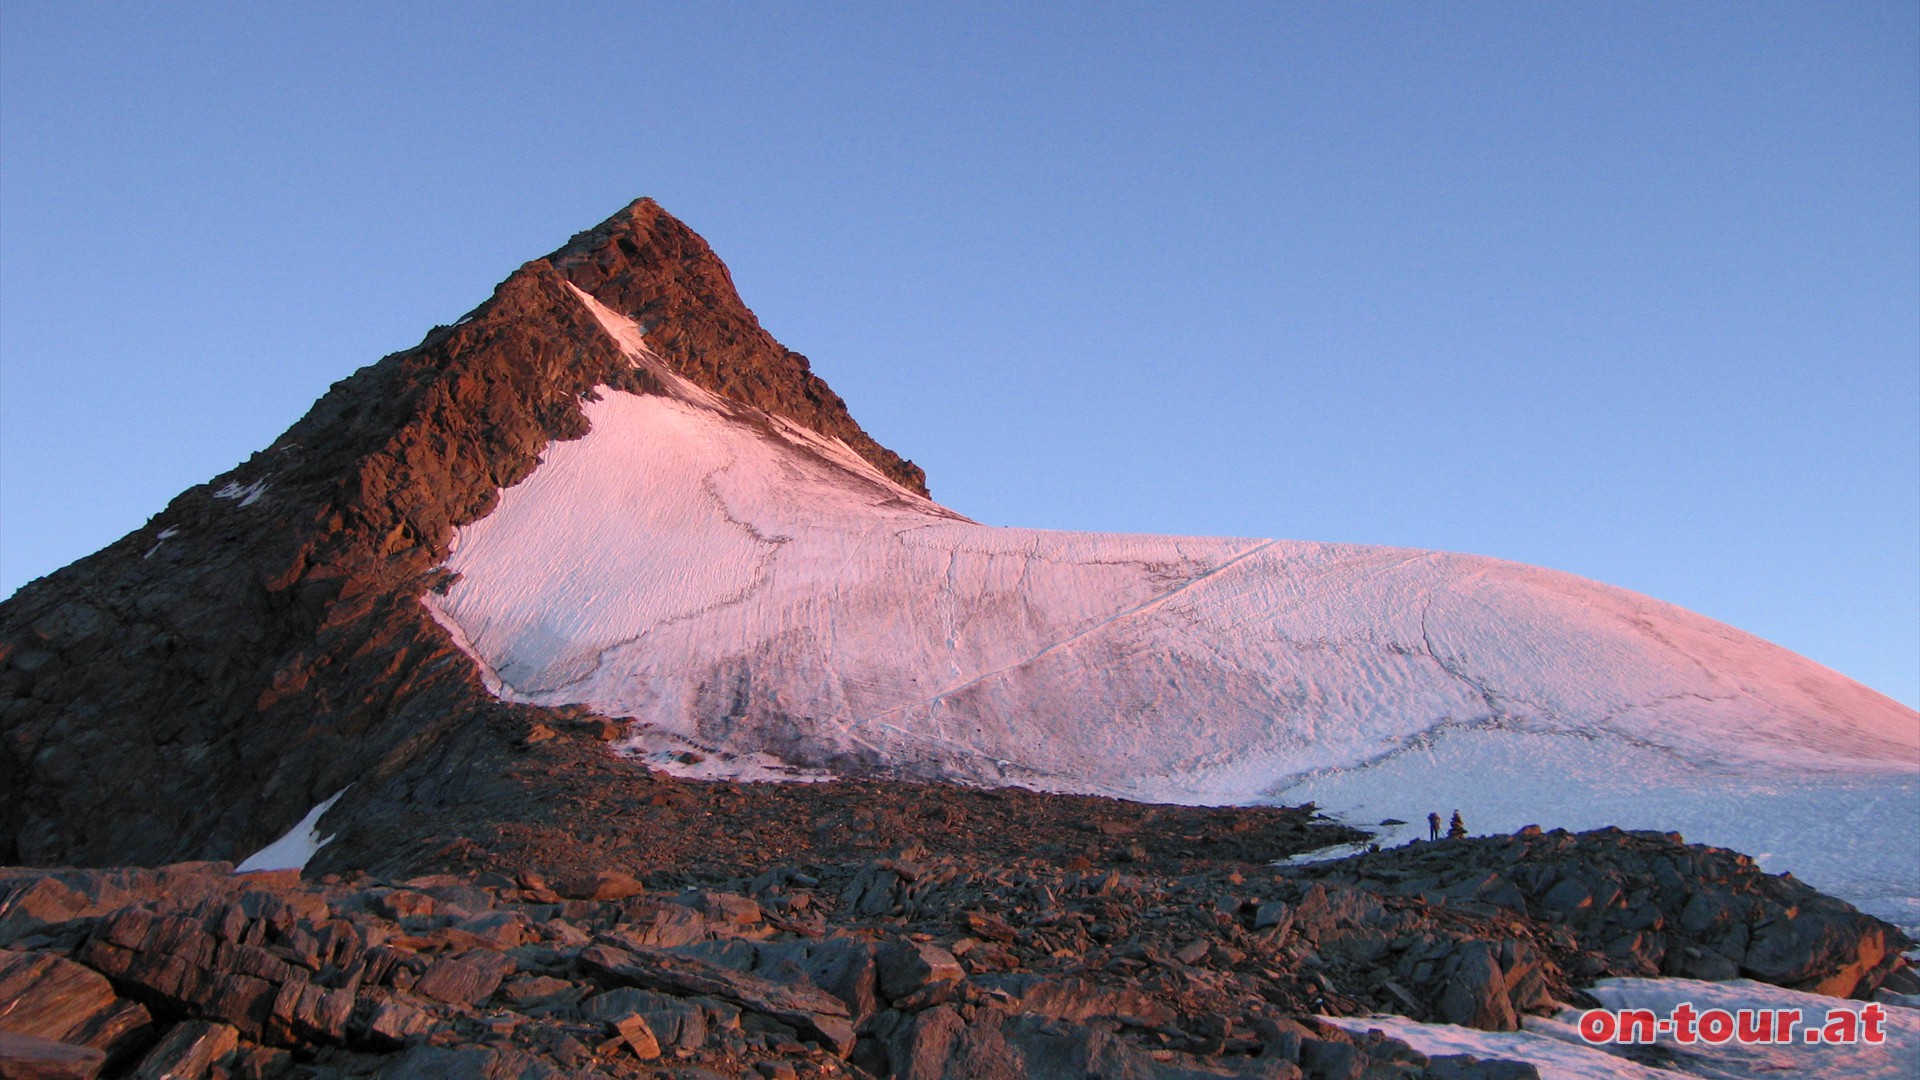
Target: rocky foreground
point(1131, 941)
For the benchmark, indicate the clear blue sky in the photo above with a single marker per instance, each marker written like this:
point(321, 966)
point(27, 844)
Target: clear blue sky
point(1627, 290)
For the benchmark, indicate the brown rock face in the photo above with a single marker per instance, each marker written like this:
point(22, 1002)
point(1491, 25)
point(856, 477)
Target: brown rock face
point(193, 689)
point(645, 264)
point(50, 997)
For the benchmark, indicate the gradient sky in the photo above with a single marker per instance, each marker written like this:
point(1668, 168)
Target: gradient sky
point(1627, 290)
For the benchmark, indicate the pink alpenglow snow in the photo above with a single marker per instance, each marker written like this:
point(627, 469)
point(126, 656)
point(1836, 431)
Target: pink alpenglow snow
point(759, 593)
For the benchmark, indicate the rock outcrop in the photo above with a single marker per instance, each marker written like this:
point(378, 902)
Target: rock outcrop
point(1639, 903)
point(913, 963)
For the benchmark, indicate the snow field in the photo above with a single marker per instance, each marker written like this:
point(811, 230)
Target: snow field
point(758, 593)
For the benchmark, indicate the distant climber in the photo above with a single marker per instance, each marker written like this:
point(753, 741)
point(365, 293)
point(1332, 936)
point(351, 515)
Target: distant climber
point(1433, 825)
point(1456, 828)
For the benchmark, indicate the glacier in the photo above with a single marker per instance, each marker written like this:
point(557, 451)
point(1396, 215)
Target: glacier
point(766, 604)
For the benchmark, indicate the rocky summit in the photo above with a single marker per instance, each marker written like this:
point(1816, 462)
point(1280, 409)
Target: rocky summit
point(425, 743)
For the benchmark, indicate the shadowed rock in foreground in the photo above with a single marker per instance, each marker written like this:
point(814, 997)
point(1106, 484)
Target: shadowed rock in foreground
point(916, 963)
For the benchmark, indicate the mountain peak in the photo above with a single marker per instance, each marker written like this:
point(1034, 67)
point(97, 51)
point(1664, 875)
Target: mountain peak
point(634, 221)
point(647, 265)
point(228, 620)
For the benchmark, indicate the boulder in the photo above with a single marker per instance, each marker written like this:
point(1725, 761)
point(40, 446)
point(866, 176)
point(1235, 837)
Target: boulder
point(814, 1013)
point(842, 966)
point(1475, 991)
point(27, 1057)
point(394, 1022)
point(603, 885)
point(637, 1033)
point(467, 979)
point(1469, 1067)
point(189, 1051)
point(50, 997)
point(906, 968)
point(676, 1023)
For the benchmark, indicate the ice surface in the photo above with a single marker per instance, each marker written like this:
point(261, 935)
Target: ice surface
point(292, 851)
point(756, 592)
point(1555, 1045)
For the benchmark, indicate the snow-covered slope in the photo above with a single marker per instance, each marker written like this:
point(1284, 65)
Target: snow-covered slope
point(760, 592)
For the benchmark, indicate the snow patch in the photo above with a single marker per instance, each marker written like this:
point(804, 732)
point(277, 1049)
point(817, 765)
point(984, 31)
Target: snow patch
point(292, 851)
point(165, 535)
point(1330, 853)
point(680, 757)
point(247, 495)
point(624, 331)
point(1554, 1044)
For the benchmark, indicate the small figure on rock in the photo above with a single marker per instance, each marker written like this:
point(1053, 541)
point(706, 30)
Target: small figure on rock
point(1456, 828)
point(1433, 825)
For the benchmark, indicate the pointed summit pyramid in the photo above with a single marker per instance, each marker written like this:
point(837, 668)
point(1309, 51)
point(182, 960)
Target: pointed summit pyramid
point(646, 266)
point(191, 690)
point(608, 492)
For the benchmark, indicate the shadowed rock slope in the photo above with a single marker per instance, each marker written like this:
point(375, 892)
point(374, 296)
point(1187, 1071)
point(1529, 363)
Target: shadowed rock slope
point(192, 689)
